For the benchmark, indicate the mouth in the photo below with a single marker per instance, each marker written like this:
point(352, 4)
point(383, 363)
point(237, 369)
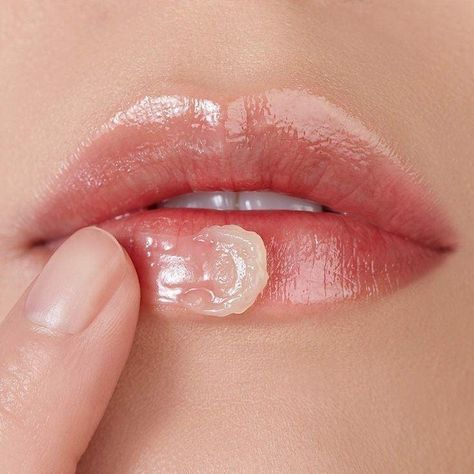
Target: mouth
point(340, 215)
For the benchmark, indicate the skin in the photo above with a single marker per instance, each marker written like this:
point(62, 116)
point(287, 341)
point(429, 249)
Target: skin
point(382, 386)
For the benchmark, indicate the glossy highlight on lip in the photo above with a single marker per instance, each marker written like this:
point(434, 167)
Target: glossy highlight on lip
point(217, 272)
point(385, 232)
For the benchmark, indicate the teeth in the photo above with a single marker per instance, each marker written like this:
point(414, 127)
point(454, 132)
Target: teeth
point(261, 200)
point(244, 201)
point(203, 200)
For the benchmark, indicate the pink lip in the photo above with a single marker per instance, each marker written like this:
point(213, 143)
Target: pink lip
point(385, 232)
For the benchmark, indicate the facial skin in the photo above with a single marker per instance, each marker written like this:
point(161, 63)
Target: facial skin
point(379, 386)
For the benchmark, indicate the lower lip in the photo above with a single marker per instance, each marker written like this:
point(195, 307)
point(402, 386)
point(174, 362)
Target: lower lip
point(313, 258)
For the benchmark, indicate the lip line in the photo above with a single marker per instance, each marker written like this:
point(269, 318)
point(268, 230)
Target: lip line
point(125, 127)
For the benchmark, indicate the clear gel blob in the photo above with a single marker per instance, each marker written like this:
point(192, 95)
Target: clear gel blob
point(217, 272)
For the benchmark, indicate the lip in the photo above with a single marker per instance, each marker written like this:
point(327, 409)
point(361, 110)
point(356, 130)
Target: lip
point(386, 232)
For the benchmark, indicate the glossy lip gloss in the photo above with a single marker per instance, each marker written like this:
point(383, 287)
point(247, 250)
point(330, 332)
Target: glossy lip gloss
point(385, 232)
point(217, 272)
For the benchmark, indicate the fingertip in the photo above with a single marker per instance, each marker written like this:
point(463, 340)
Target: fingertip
point(79, 281)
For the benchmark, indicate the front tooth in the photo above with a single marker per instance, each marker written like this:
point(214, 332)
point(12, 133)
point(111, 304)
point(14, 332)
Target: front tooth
point(245, 201)
point(204, 200)
point(263, 200)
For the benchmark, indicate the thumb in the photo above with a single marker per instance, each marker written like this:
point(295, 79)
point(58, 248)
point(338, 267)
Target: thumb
point(62, 348)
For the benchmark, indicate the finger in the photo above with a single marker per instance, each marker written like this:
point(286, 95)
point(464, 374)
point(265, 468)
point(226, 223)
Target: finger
point(62, 348)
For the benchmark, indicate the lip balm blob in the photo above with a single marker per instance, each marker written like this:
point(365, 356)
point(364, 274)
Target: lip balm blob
point(217, 272)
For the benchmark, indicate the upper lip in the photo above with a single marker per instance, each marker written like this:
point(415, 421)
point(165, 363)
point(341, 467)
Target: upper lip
point(283, 140)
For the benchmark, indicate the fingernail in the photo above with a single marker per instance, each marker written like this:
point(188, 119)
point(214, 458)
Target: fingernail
point(77, 282)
